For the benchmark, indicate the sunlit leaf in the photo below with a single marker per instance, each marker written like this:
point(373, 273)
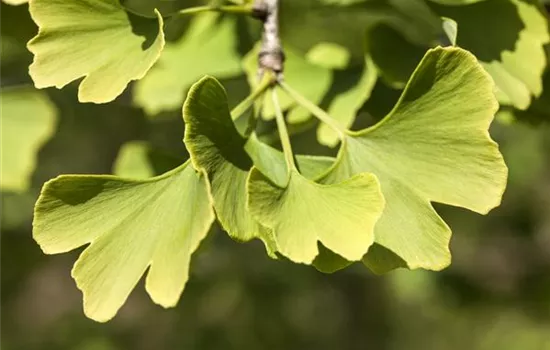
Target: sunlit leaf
point(209, 46)
point(341, 216)
point(433, 146)
point(95, 39)
point(28, 120)
point(132, 225)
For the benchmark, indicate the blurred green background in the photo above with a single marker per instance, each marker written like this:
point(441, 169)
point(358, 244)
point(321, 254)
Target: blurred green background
point(495, 295)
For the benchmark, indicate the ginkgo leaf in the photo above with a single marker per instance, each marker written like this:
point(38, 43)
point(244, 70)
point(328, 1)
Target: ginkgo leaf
point(341, 216)
point(226, 157)
point(433, 146)
point(28, 120)
point(131, 225)
point(95, 39)
point(209, 46)
point(511, 46)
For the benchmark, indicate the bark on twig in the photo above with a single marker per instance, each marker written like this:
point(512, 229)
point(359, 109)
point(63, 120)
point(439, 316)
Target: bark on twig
point(271, 57)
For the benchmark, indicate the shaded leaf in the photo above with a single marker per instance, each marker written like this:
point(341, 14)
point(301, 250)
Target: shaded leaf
point(509, 45)
point(306, 23)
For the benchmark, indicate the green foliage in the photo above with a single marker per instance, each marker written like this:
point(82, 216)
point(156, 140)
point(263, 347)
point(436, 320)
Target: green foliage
point(28, 120)
point(131, 225)
point(209, 47)
point(95, 39)
point(517, 35)
point(433, 146)
point(371, 203)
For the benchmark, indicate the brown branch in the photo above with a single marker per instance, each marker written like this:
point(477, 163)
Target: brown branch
point(271, 56)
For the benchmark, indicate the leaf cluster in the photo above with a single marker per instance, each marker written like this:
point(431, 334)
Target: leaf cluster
point(370, 202)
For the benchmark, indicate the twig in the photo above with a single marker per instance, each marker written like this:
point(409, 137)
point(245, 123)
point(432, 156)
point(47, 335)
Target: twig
point(271, 57)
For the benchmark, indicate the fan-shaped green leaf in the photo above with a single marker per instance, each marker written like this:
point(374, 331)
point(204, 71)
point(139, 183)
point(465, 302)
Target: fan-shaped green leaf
point(208, 47)
point(95, 39)
point(433, 146)
point(341, 216)
point(131, 225)
point(226, 157)
point(28, 120)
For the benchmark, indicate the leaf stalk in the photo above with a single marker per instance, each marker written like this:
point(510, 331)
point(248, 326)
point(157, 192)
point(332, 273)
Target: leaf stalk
point(232, 9)
point(283, 132)
point(245, 104)
point(313, 108)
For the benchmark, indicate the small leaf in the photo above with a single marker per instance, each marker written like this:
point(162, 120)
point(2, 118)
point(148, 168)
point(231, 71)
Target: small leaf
point(450, 27)
point(28, 120)
point(131, 225)
point(209, 46)
point(341, 216)
point(95, 39)
point(433, 146)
